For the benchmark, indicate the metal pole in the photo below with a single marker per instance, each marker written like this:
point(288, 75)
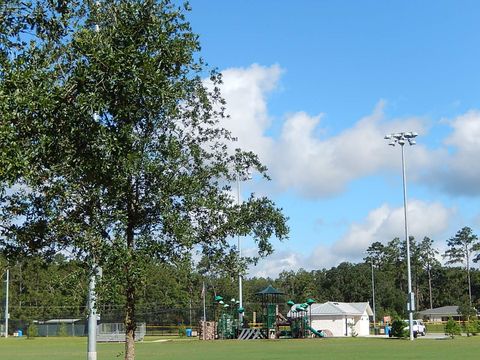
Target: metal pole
point(240, 292)
point(92, 310)
point(410, 301)
point(7, 315)
point(373, 299)
point(204, 312)
point(92, 318)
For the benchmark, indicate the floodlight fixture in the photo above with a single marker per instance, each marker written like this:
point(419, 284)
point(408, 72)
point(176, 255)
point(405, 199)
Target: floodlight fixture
point(401, 138)
point(411, 135)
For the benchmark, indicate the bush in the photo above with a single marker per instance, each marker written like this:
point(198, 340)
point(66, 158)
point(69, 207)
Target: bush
point(182, 331)
point(472, 327)
point(32, 331)
point(452, 328)
point(398, 329)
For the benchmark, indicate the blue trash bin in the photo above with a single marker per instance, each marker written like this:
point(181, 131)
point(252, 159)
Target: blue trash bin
point(20, 333)
point(188, 332)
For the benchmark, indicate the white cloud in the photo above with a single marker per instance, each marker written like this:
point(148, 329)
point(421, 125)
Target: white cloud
point(300, 159)
point(456, 172)
point(276, 263)
point(382, 224)
point(385, 223)
point(245, 91)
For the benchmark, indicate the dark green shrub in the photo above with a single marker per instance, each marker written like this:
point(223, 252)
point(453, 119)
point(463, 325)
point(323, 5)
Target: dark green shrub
point(32, 331)
point(452, 328)
point(399, 328)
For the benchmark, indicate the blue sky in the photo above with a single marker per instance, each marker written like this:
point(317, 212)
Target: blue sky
point(313, 86)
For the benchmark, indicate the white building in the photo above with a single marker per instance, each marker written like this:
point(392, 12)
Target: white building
point(339, 319)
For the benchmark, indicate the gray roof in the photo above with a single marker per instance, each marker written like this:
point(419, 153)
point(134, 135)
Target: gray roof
point(338, 308)
point(444, 310)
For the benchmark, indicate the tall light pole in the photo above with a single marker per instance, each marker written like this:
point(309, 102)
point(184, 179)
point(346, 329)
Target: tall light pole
point(401, 139)
point(239, 245)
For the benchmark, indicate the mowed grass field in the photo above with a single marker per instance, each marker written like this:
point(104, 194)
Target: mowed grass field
point(308, 349)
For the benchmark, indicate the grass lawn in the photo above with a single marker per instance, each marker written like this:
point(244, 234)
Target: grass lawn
point(347, 348)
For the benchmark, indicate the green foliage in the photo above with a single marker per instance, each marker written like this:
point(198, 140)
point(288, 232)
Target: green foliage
point(117, 148)
point(32, 330)
point(452, 328)
point(466, 310)
point(399, 328)
point(472, 327)
point(182, 331)
point(462, 249)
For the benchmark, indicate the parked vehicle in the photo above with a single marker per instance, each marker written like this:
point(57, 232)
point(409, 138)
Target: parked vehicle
point(419, 328)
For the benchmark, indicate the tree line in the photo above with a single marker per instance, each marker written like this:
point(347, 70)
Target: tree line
point(45, 290)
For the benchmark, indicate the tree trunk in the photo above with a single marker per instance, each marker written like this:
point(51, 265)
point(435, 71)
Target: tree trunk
point(130, 322)
point(430, 287)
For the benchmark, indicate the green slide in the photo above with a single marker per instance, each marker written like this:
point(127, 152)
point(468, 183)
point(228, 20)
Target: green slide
point(317, 333)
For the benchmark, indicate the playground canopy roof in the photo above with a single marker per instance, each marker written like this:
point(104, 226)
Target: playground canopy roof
point(270, 290)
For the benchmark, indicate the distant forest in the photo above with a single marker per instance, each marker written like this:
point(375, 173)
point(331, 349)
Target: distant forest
point(58, 289)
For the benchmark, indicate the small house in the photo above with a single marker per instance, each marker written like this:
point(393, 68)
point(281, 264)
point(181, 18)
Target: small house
point(441, 313)
point(339, 319)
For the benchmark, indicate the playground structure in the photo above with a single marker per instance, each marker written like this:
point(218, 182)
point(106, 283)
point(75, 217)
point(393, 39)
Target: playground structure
point(227, 320)
point(274, 325)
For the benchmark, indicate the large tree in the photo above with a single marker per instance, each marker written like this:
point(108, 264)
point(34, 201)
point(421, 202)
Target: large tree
point(461, 249)
point(111, 145)
point(427, 257)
